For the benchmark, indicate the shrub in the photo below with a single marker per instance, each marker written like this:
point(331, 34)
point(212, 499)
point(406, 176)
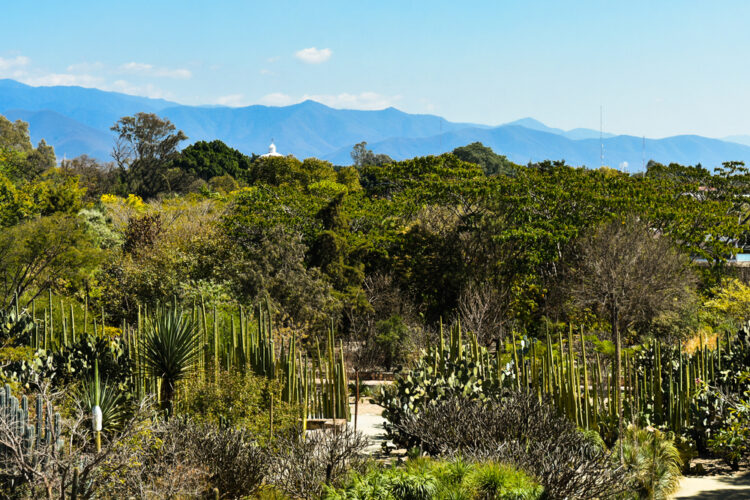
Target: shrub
point(236, 465)
point(427, 479)
point(517, 429)
point(393, 341)
point(732, 443)
point(653, 463)
point(241, 401)
point(168, 350)
point(181, 458)
point(302, 464)
point(492, 480)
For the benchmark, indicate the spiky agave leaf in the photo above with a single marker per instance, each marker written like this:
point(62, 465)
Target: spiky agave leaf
point(169, 348)
point(114, 405)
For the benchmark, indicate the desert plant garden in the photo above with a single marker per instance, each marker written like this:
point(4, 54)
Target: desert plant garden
point(196, 323)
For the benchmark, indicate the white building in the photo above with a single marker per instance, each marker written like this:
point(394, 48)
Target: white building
point(271, 152)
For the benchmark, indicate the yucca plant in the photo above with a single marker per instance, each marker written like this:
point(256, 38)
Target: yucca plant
point(169, 348)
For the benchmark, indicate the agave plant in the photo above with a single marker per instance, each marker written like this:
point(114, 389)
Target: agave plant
point(113, 403)
point(169, 348)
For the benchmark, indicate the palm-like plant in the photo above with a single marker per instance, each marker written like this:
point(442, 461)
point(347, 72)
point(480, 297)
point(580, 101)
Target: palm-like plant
point(654, 463)
point(169, 349)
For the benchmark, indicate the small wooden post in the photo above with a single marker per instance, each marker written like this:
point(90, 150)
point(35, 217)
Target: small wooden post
point(356, 398)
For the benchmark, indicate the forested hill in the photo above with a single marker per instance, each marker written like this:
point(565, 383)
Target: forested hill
point(76, 121)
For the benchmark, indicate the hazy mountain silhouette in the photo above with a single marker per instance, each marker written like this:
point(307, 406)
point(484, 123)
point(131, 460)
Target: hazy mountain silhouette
point(76, 120)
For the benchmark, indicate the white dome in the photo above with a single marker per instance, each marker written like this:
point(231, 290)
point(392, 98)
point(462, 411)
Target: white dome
point(271, 151)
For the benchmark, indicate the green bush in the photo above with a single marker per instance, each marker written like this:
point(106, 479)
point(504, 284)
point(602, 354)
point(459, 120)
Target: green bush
point(427, 479)
point(653, 462)
point(731, 443)
point(393, 341)
point(242, 401)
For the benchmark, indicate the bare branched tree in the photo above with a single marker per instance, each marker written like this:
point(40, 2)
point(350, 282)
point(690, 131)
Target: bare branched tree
point(630, 275)
point(301, 465)
point(480, 309)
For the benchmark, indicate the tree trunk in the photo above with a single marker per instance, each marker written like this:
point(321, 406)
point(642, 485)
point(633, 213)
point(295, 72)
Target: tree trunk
point(167, 394)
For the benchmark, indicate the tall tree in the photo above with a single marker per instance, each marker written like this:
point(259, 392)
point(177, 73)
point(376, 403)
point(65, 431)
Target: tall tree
point(631, 274)
point(144, 148)
point(361, 156)
point(491, 162)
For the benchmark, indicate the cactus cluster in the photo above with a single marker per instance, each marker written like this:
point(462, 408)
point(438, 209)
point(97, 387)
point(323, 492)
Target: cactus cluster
point(248, 343)
point(657, 388)
point(33, 431)
point(229, 340)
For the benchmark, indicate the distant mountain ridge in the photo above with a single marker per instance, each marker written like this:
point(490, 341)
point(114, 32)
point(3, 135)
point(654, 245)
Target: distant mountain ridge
point(76, 120)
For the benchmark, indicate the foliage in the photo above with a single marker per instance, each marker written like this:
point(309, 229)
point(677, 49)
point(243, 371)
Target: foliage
point(653, 463)
point(141, 233)
point(145, 146)
point(18, 159)
point(515, 428)
point(491, 162)
point(242, 401)
point(729, 305)
point(361, 156)
point(95, 178)
point(49, 251)
point(393, 339)
point(168, 349)
point(206, 160)
point(423, 478)
point(732, 442)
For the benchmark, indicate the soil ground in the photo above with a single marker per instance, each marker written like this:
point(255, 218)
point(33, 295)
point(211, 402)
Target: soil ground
point(717, 482)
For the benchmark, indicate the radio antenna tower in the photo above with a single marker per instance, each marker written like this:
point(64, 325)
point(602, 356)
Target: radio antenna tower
point(601, 135)
point(643, 154)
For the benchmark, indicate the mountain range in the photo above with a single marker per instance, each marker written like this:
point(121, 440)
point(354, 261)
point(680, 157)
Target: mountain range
point(76, 120)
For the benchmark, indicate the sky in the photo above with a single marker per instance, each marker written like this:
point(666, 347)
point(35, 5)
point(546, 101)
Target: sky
point(656, 68)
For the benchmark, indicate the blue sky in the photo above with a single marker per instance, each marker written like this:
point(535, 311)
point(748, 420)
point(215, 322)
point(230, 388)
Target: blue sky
point(658, 68)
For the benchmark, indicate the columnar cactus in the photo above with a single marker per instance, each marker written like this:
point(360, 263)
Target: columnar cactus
point(15, 419)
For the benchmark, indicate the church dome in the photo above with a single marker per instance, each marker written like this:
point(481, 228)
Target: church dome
point(271, 151)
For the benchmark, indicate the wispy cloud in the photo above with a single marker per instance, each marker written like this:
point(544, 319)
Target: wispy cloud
point(233, 100)
point(85, 67)
point(83, 74)
point(266, 72)
point(13, 62)
point(363, 100)
point(277, 99)
point(313, 55)
point(151, 70)
point(67, 79)
point(147, 90)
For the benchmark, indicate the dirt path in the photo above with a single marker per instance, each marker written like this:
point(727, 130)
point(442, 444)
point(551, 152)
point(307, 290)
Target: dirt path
point(728, 486)
point(370, 423)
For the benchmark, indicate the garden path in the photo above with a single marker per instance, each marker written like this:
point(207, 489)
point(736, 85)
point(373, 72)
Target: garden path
point(726, 486)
